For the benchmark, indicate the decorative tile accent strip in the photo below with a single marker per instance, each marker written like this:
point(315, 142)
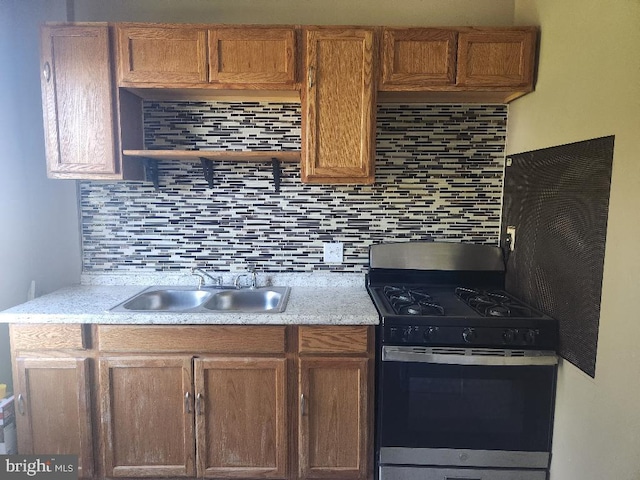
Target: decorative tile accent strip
point(439, 175)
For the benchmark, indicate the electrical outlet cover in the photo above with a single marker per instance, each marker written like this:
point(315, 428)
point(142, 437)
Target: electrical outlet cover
point(333, 252)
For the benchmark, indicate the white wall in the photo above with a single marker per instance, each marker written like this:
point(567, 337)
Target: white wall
point(331, 12)
point(589, 86)
point(39, 236)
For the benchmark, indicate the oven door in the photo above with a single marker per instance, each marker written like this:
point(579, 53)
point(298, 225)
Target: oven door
point(465, 407)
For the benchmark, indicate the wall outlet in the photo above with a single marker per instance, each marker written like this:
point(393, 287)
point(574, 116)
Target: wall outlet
point(333, 252)
point(511, 237)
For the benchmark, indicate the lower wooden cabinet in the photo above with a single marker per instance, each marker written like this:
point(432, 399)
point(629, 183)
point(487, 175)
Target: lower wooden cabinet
point(52, 372)
point(53, 413)
point(230, 422)
point(147, 416)
point(241, 417)
point(266, 402)
point(334, 419)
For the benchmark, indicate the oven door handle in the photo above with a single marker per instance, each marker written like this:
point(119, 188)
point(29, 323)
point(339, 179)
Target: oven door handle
point(469, 356)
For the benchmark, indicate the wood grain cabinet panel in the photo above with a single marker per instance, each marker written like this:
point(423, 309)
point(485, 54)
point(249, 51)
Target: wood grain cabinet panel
point(161, 55)
point(147, 415)
point(77, 98)
point(338, 106)
point(241, 417)
point(333, 418)
point(415, 58)
point(248, 57)
point(344, 339)
point(53, 412)
point(233, 339)
point(48, 337)
point(227, 411)
point(498, 58)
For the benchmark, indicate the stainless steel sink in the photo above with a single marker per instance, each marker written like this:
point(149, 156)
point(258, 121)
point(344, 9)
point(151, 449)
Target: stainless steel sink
point(169, 299)
point(206, 300)
point(265, 299)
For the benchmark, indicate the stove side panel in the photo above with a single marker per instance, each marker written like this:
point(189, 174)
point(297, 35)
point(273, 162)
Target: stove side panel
point(558, 198)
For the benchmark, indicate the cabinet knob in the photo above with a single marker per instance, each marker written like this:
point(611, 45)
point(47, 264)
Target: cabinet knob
point(187, 402)
point(20, 404)
point(303, 405)
point(199, 404)
point(46, 71)
point(311, 76)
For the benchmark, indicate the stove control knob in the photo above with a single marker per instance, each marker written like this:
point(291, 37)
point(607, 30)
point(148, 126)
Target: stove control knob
point(530, 337)
point(405, 334)
point(469, 335)
point(431, 333)
point(509, 335)
point(393, 333)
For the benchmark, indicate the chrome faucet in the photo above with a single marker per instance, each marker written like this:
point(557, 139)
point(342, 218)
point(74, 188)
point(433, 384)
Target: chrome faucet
point(251, 275)
point(203, 276)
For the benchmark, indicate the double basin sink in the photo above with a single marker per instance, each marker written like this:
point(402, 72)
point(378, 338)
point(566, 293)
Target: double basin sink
point(207, 300)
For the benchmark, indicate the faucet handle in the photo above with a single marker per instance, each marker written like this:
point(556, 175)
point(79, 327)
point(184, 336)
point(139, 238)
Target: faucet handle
point(251, 275)
point(202, 277)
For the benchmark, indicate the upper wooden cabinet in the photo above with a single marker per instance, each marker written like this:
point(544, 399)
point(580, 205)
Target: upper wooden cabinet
point(415, 57)
point(496, 57)
point(91, 119)
point(243, 56)
point(338, 106)
point(463, 64)
point(179, 56)
point(161, 54)
point(77, 98)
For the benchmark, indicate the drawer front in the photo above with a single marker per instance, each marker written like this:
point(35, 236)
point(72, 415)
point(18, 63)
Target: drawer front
point(190, 339)
point(342, 339)
point(49, 337)
point(427, 473)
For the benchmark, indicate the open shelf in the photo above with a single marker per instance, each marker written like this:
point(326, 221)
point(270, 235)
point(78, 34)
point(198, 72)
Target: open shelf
point(207, 157)
point(191, 155)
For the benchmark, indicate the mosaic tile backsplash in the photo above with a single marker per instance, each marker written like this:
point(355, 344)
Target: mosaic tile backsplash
point(439, 171)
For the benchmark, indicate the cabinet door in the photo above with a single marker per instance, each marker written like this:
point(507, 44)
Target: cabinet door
point(78, 103)
point(53, 412)
point(338, 105)
point(496, 58)
point(241, 417)
point(165, 55)
point(147, 414)
point(245, 56)
point(334, 418)
point(415, 58)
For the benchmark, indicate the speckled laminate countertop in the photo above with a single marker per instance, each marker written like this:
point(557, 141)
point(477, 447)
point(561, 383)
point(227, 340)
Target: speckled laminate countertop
point(335, 302)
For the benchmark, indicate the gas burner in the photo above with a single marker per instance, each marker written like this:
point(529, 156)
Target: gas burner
point(412, 301)
point(493, 303)
point(422, 308)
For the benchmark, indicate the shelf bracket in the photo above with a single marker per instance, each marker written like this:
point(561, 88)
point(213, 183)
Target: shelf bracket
point(277, 173)
point(207, 168)
point(151, 172)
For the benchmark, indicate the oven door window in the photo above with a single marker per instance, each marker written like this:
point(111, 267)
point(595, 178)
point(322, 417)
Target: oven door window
point(425, 405)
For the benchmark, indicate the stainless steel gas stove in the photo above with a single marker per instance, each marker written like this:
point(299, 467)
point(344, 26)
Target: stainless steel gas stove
point(465, 371)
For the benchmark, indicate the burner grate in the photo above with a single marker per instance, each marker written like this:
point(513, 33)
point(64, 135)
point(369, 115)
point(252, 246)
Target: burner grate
point(412, 301)
point(493, 303)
